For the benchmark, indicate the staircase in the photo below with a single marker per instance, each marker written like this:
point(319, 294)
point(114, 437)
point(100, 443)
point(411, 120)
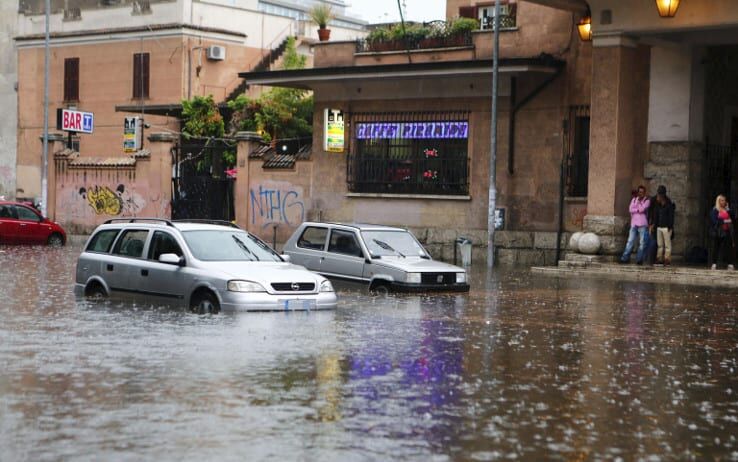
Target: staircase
point(263, 64)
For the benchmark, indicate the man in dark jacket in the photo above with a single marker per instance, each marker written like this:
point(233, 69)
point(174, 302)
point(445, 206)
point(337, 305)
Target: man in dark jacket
point(662, 223)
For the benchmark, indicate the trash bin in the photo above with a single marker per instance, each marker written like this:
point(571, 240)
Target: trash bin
point(464, 248)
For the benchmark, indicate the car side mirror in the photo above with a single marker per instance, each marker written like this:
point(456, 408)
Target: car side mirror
point(171, 259)
point(286, 258)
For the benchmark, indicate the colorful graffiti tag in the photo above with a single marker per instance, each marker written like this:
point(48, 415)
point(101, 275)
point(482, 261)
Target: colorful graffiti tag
point(274, 205)
point(105, 201)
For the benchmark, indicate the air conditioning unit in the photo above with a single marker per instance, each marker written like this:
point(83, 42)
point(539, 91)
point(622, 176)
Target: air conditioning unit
point(215, 53)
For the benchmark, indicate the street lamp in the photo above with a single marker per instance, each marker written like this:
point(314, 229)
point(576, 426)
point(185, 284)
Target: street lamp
point(667, 8)
point(584, 27)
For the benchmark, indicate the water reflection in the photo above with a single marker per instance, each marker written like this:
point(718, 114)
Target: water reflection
point(519, 368)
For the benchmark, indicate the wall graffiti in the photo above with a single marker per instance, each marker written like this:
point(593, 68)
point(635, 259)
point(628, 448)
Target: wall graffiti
point(276, 205)
point(105, 201)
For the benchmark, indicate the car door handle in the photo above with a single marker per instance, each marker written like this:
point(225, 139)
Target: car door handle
point(110, 267)
point(23, 224)
point(144, 272)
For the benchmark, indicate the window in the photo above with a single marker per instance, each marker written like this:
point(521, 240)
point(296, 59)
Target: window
point(141, 75)
point(131, 244)
point(409, 153)
point(344, 242)
point(313, 238)
point(27, 214)
point(163, 243)
point(7, 212)
point(102, 241)
point(71, 79)
point(578, 158)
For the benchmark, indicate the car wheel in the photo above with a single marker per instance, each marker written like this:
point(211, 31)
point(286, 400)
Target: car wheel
point(380, 289)
point(55, 240)
point(204, 303)
point(95, 292)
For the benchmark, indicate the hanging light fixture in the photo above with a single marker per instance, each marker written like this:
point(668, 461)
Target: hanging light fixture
point(667, 8)
point(584, 27)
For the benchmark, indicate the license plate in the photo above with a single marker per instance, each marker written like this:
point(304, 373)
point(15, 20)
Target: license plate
point(297, 304)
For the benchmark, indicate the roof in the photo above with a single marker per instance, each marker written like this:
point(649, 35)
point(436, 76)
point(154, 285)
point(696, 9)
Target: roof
point(359, 226)
point(118, 30)
point(274, 160)
point(76, 161)
point(308, 78)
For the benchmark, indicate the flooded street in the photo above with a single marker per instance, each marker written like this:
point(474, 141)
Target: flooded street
point(522, 367)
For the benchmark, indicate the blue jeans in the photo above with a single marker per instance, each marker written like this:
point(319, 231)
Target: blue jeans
point(642, 233)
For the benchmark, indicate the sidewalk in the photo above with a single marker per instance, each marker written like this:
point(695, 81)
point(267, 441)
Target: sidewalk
point(596, 267)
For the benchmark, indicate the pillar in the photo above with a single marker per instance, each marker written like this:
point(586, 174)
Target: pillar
point(247, 142)
point(159, 174)
point(57, 143)
point(618, 144)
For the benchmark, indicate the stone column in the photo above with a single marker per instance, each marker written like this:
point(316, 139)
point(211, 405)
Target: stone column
point(159, 174)
point(247, 142)
point(617, 136)
point(57, 143)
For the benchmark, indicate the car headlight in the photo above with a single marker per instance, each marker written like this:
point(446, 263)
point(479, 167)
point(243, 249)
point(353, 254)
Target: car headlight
point(245, 286)
point(326, 286)
point(460, 278)
point(413, 278)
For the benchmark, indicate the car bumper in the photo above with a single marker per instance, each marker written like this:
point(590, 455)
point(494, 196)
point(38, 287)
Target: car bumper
point(262, 301)
point(405, 287)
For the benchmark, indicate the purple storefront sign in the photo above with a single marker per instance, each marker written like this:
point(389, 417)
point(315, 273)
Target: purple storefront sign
point(412, 130)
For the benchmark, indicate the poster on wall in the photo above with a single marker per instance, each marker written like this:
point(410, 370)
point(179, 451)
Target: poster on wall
point(131, 134)
point(334, 131)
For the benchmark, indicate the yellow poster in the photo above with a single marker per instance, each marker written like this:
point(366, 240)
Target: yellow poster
point(334, 130)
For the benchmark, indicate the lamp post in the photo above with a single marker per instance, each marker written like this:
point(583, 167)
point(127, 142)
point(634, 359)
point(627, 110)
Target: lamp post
point(493, 147)
point(667, 8)
point(584, 27)
point(45, 154)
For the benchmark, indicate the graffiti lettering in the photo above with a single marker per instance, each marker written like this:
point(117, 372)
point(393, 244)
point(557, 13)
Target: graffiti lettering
point(105, 201)
point(276, 206)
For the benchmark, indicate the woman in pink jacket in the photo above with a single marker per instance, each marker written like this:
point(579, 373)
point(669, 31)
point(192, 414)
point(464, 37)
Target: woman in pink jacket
point(638, 226)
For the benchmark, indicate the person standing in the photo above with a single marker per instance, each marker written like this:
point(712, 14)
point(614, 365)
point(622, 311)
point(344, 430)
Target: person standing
point(663, 224)
point(721, 232)
point(638, 226)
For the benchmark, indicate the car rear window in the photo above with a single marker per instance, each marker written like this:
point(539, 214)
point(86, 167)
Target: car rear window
point(313, 238)
point(102, 241)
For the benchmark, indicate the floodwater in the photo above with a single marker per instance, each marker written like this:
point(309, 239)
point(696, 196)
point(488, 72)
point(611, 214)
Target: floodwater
point(522, 367)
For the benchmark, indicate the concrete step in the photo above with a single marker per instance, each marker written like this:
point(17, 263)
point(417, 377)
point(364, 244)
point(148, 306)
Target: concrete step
point(590, 258)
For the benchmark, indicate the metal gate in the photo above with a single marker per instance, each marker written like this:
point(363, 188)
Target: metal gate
point(200, 187)
point(719, 172)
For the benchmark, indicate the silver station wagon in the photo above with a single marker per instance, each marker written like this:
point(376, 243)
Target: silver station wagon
point(385, 258)
point(208, 267)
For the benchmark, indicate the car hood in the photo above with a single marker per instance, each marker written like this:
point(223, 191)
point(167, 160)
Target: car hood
point(263, 272)
point(418, 265)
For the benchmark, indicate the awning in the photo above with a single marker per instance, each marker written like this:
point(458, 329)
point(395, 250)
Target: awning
point(310, 78)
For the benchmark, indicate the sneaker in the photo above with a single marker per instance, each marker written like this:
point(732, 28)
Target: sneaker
point(730, 268)
point(713, 267)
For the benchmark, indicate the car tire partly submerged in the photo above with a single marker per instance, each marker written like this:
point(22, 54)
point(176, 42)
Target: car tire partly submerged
point(204, 302)
point(379, 289)
point(55, 240)
point(95, 291)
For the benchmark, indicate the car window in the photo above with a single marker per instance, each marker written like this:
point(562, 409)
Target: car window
point(163, 243)
point(228, 245)
point(26, 214)
point(313, 238)
point(386, 243)
point(102, 241)
point(344, 242)
point(6, 211)
point(131, 243)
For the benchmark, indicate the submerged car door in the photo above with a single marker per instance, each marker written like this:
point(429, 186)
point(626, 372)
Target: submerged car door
point(345, 257)
point(9, 225)
point(309, 249)
point(162, 279)
point(125, 261)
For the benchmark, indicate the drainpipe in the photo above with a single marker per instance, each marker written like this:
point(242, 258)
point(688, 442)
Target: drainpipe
point(516, 107)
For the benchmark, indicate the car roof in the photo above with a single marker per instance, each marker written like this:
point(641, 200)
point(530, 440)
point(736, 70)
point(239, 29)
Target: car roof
point(359, 226)
point(165, 224)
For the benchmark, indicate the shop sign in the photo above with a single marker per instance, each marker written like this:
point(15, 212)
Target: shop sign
point(76, 121)
point(412, 130)
point(334, 131)
point(131, 134)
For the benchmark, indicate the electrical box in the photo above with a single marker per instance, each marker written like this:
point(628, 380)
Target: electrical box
point(215, 53)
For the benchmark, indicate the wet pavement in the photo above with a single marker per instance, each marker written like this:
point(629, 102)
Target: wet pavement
point(522, 367)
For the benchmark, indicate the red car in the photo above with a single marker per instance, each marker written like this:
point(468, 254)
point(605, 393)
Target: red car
point(23, 224)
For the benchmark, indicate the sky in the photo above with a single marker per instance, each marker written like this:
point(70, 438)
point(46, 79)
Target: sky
point(375, 11)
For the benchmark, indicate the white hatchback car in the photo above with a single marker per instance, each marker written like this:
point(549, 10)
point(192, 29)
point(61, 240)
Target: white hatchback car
point(208, 267)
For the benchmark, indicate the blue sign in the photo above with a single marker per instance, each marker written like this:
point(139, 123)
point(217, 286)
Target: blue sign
point(412, 130)
point(87, 122)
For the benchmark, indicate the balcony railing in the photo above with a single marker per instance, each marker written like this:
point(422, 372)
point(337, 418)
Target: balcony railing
point(414, 43)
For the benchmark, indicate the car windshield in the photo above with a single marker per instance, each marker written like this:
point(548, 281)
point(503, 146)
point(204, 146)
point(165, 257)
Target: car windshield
point(222, 245)
point(399, 243)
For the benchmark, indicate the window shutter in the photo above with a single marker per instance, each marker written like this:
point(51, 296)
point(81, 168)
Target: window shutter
point(71, 79)
point(141, 75)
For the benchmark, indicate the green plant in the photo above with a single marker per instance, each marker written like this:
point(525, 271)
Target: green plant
point(460, 26)
point(202, 118)
point(380, 34)
point(321, 14)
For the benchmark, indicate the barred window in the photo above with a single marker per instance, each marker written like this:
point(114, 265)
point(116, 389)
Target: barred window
point(409, 153)
point(578, 152)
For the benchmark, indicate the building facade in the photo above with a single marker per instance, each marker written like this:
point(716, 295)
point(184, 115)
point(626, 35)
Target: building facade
point(8, 98)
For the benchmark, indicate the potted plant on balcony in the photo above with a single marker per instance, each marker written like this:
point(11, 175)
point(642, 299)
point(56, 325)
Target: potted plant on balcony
point(460, 28)
point(321, 14)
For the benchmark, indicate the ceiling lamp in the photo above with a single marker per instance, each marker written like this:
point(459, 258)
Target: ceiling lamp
point(667, 8)
point(585, 27)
